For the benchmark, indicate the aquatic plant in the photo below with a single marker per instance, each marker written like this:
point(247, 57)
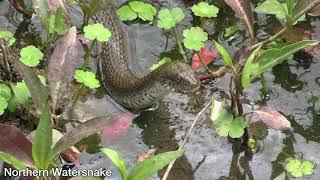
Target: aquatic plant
point(134, 9)
point(299, 168)
point(30, 56)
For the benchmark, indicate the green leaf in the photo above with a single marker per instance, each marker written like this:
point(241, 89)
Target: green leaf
point(273, 7)
point(252, 144)
point(9, 35)
point(22, 93)
point(248, 69)
point(162, 62)
point(125, 13)
point(236, 128)
point(203, 9)
point(225, 55)
point(169, 18)
point(145, 11)
point(5, 91)
point(194, 38)
point(30, 56)
point(230, 31)
point(3, 104)
point(87, 78)
point(41, 148)
point(299, 168)
point(117, 160)
point(275, 56)
point(12, 160)
point(97, 31)
point(152, 165)
point(302, 7)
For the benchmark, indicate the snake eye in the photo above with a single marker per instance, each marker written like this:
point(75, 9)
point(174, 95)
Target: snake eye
point(178, 78)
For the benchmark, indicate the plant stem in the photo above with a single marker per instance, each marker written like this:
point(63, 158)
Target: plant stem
point(176, 36)
point(186, 138)
point(203, 63)
point(87, 56)
point(77, 96)
point(264, 88)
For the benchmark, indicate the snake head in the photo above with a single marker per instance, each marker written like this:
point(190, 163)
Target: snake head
point(181, 77)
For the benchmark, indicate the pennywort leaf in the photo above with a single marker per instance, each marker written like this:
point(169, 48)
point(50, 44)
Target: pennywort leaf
point(125, 13)
point(30, 56)
point(169, 18)
point(87, 78)
point(194, 38)
point(8, 37)
point(299, 168)
point(145, 11)
point(97, 31)
point(203, 9)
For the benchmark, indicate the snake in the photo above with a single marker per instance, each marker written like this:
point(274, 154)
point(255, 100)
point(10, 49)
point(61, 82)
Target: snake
point(136, 91)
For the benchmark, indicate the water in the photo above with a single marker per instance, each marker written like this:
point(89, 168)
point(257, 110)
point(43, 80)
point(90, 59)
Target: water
point(294, 88)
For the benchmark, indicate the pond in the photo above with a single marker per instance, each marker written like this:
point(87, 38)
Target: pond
point(294, 90)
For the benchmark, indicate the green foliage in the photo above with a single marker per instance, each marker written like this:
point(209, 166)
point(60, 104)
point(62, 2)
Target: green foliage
point(5, 91)
point(203, 9)
point(162, 62)
point(97, 32)
point(225, 55)
point(134, 9)
point(230, 31)
point(9, 35)
point(252, 144)
point(152, 165)
point(299, 168)
point(117, 160)
point(194, 38)
point(248, 68)
point(30, 56)
point(169, 18)
point(12, 160)
point(3, 104)
point(87, 78)
point(21, 96)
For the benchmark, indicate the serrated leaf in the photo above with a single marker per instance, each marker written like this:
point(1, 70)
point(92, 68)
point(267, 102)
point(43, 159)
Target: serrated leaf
point(152, 165)
point(169, 18)
point(145, 11)
point(9, 35)
point(299, 168)
point(125, 13)
point(97, 31)
point(275, 56)
point(194, 38)
point(203, 9)
point(117, 160)
point(30, 56)
point(87, 78)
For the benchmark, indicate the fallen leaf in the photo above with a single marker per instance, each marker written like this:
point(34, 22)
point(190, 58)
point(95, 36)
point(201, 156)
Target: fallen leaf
point(206, 54)
point(273, 118)
point(146, 155)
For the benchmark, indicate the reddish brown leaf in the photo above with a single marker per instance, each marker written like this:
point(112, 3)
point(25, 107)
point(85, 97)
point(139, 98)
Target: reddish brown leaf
point(71, 155)
point(273, 118)
point(14, 142)
point(206, 54)
point(62, 64)
point(243, 9)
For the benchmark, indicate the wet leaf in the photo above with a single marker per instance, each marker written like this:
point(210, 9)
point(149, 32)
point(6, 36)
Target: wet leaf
point(14, 142)
point(42, 142)
point(275, 56)
point(303, 6)
point(117, 160)
point(224, 53)
point(39, 93)
point(169, 18)
point(152, 165)
point(162, 62)
point(97, 31)
point(125, 13)
point(87, 78)
point(83, 130)
point(30, 56)
point(12, 161)
point(243, 9)
point(206, 54)
point(203, 9)
point(145, 11)
point(299, 168)
point(248, 69)
point(194, 38)
point(273, 118)
point(62, 64)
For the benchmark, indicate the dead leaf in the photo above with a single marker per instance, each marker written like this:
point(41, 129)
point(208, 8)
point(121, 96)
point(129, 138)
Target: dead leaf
point(146, 155)
point(273, 118)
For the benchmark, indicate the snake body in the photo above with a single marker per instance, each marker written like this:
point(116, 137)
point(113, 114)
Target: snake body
point(137, 92)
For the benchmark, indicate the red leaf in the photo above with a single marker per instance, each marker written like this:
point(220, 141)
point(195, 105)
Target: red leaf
point(207, 55)
point(273, 118)
point(14, 142)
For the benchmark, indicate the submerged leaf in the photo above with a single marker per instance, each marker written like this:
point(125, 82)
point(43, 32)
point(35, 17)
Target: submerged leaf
point(273, 118)
point(62, 64)
point(243, 9)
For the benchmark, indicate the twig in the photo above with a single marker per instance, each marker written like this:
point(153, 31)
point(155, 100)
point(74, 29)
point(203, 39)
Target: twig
point(186, 138)
point(215, 74)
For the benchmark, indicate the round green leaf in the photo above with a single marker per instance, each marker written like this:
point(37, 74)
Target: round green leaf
point(194, 38)
point(203, 9)
point(145, 11)
point(298, 168)
point(307, 167)
point(97, 31)
point(87, 78)
point(9, 35)
point(168, 18)
point(30, 56)
point(3, 104)
point(22, 93)
point(125, 13)
point(236, 128)
point(5, 91)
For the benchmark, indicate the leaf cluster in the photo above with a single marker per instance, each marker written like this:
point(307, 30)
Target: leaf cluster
point(135, 9)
